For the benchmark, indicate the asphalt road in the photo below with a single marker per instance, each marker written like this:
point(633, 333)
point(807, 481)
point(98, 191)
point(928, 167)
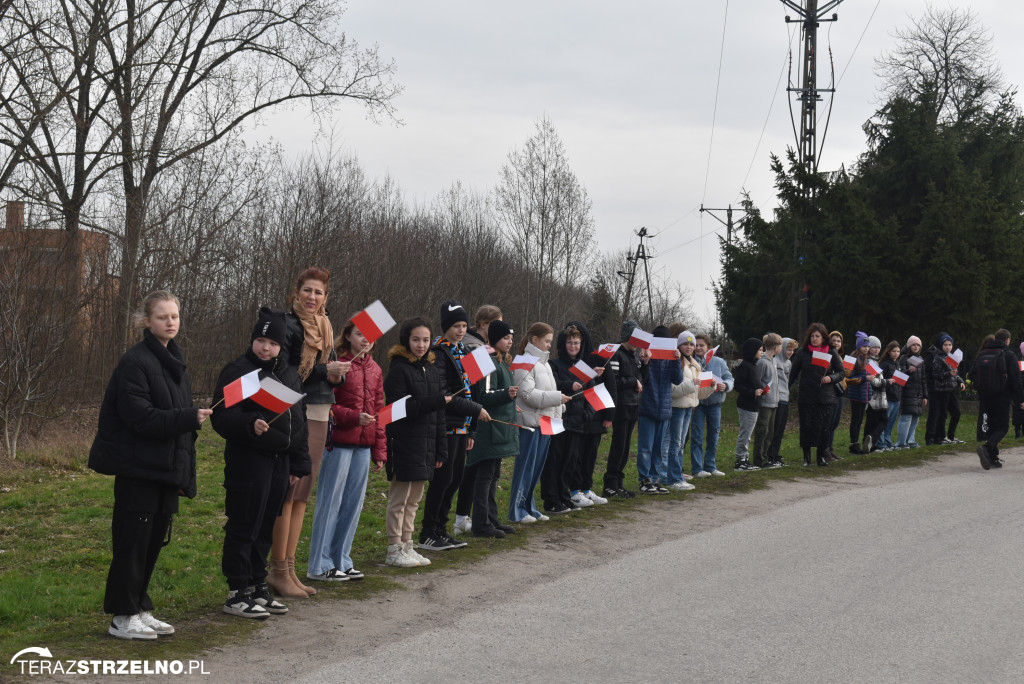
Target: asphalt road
point(895, 578)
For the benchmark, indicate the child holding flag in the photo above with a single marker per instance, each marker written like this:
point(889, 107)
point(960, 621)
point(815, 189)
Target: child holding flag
point(914, 396)
point(944, 402)
point(748, 400)
point(684, 400)
point(893, 392)
point(417, 444)
point(708, 414)
point(858, 390)
point(265, 450)
point(771, 383)
point(629, 365)
point(656, 413)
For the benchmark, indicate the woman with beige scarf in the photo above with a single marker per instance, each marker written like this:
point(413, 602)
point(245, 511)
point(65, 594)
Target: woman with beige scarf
point(310, 348)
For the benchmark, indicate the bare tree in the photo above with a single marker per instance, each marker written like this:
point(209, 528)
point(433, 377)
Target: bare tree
point(948, 53)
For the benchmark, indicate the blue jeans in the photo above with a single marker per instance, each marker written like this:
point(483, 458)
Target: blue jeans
point(651, 452)
point(703, 457)
point(893, 416)
point(340, 490)
point(907, 430)
point(533, 452)
point(677, 428)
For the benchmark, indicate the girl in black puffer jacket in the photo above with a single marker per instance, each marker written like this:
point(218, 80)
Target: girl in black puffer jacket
point(914, 396)
point(146, 439)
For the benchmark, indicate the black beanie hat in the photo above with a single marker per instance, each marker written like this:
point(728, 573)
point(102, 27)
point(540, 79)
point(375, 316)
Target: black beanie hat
point(452, 312)
point(661, 331)
point(271, 325)
point(497, 330)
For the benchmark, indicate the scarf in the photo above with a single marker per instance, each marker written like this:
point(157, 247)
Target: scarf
point(319, 338)
point(457, 350)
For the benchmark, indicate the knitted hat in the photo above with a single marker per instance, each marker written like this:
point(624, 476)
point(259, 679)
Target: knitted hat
point(913, 339)
point(862, 340)
point(942, 337)
point(834, 333)
point(452, 312)
point(874, 341)
point(497, 330)
point(686, 337)
point(626, 331)
point(271, 325)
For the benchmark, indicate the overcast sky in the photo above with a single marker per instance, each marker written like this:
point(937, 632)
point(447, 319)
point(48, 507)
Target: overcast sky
point(631, 90)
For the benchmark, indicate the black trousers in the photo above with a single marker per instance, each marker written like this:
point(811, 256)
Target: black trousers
point(993, 422)
point(554, 479)
point(581, 470)
point(484, 488)
point(254, 490)
point(140, 527)
point(938, 409)
point(875, 424)
point(438, 502)
point(781, 417)
point(618, 453)
point(464, 504)
point(857, 410)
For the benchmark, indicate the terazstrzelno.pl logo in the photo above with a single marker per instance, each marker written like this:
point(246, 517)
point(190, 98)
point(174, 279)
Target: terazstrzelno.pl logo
point(39, 661)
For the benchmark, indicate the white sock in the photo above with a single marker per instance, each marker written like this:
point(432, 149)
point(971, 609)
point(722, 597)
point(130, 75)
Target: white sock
point(460, 519)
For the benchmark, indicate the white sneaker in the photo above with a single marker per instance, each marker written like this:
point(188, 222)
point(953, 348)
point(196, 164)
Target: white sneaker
point(130, 627)
point(527, 519)
point(718, 473)
point(681, 486)
point(411, 551)
point(594, 497)
point(703, 473)
point(581, 500)
point(463, 523)
point(398, 558)
point(158, 626)
point(542, 518)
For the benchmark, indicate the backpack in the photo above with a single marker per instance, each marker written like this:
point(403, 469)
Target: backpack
point(990, 372)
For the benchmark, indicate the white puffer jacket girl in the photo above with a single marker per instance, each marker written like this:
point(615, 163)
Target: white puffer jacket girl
point(538, 395)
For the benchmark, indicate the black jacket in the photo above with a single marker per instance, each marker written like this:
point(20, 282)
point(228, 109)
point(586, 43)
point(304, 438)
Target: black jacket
point(627, 369)
point(287, 435)
point(747, 378)
point(808, 377)
point(147, 425)
point(316, 387)
point(893, 392)
point(460, 407)
point(915, 391)
point(1013, 390)
point(417, 441)
point(579, 415)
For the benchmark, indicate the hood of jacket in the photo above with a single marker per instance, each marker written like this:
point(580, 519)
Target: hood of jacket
point(400, 351)
point(586, 345)
point(750, 347)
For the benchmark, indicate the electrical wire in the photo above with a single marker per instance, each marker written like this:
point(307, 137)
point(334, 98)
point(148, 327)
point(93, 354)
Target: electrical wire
point(714, 113)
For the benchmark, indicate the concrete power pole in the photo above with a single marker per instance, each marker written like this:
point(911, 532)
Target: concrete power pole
point(727, 222)
point(810, 13)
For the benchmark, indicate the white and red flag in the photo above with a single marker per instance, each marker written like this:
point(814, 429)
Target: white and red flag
point(954, 359)
point(275, 397)
point(242, 388)
point(915, 361)
point(900, 378)
point(849, 362)
point(873, 368)
point(607, 351)
point(710, 353)
point(663, 348)
point(392, 412)
point(599, 398)
point(551, 426)
point(823, 359)
point(641, 339)
point(374, 321)
point(478, 365)
point(1021, 365)
point(584, 372)
point(767, 388)
point(524, 362)
point(707, 379)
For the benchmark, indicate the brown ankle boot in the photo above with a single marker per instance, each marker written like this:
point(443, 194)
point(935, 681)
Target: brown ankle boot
point(280, 580)
point(295, 578)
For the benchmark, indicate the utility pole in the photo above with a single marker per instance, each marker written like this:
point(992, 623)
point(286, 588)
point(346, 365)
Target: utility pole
point(727, 222)
point(810, 14)
point(630, 275)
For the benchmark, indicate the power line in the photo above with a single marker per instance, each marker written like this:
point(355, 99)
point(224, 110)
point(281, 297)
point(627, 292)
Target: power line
point(714, 113)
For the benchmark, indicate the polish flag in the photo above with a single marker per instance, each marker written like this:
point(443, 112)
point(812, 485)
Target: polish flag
point(663, 348)
point(823, 359)
point(242, 388)
point(478, 365)
point(584, 372)
point(900, 378)
point(766, 389)
point(392, 412)
point(718, 380)
point(374, 321)
point(641, 339)
point(915, 361)
point(607, 351)
point(599, 398)
point(849, 362)
point(710, 354)
point(524, 362)
point(275, 397)
point(707, 379)
point(1021, 365)
point(551, 426)
point(873, 368)
point(954, 359)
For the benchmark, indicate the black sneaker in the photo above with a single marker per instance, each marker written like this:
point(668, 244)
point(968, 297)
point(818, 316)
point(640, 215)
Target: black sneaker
point(261, 595)
point(453, 542)
point(648, 487)
point(996, 462)
point(983, 456)
point(557, 509)
point(626, 494)
point(660, 488)
point(745, 466)
point(332, 575)
point(773, 465)
point(435, 542)
point(507, 529)
point(242, 604)
point(488, 532)
point(611, 493)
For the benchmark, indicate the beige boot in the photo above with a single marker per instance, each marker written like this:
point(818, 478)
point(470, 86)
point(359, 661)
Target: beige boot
point(295, 578)
point(280, 580)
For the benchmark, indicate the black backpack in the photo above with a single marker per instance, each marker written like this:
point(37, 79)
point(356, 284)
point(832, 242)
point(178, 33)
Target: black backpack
point(990, 373)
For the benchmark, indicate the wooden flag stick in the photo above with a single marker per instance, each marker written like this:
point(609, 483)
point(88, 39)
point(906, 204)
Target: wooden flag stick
point(278, 415)
point(221, 401)
point(495, 420)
